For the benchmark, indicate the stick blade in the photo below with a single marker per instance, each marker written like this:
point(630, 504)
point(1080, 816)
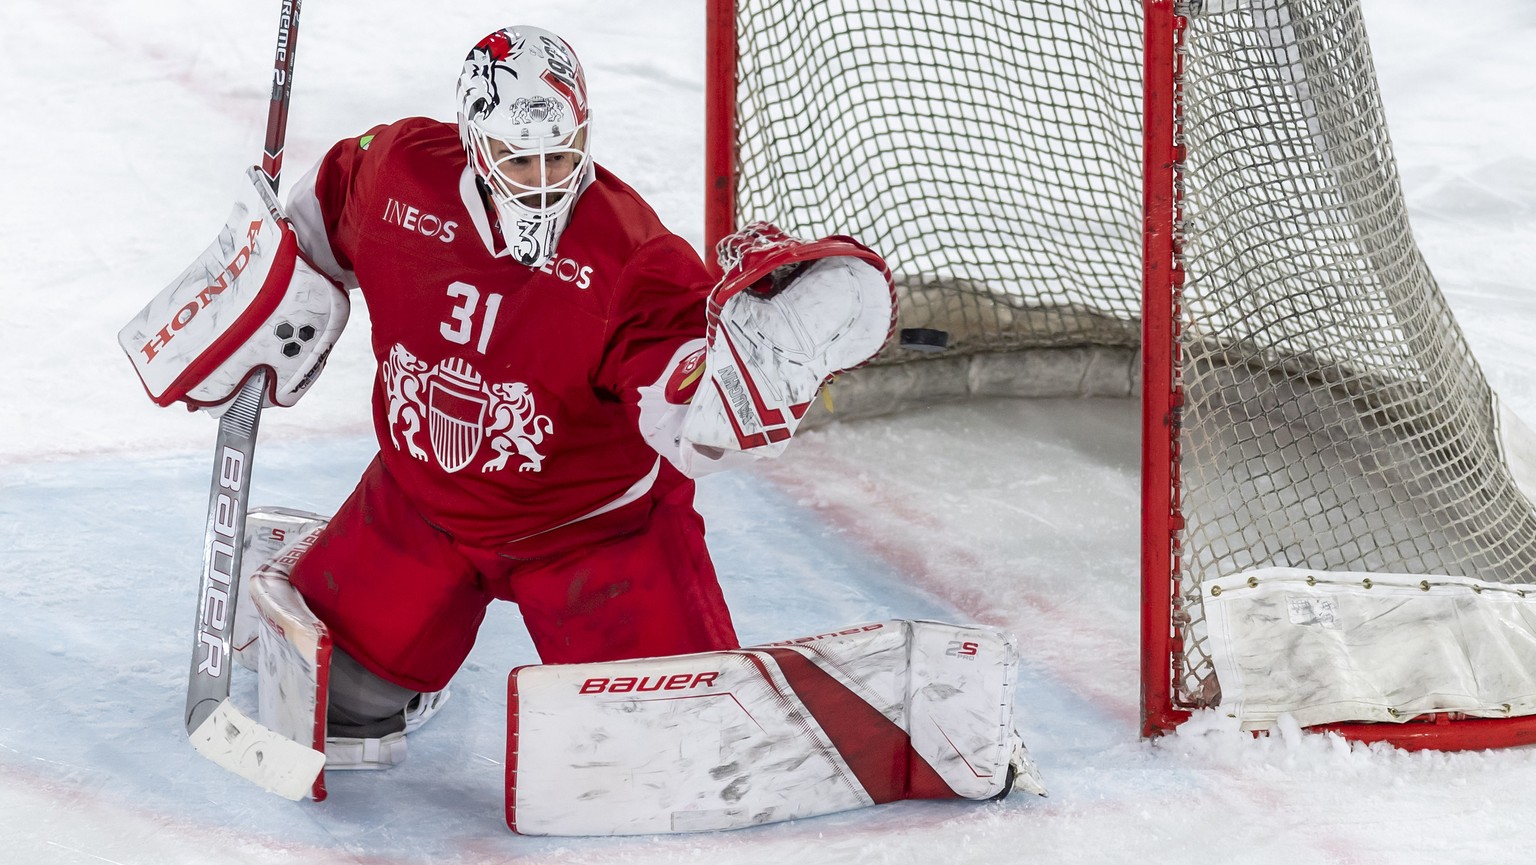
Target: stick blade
point(267, 759)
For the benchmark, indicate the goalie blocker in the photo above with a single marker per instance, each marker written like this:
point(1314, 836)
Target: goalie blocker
point(250, 301)
point(722, 740)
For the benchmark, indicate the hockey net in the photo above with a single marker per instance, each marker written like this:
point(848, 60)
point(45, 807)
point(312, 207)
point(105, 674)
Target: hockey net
point(1316, 428)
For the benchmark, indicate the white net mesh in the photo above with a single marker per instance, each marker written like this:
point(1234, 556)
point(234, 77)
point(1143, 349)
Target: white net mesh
point(1336, 418)
point(991, 152)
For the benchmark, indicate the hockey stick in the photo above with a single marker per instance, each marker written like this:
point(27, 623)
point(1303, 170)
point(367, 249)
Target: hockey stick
point(217, 729)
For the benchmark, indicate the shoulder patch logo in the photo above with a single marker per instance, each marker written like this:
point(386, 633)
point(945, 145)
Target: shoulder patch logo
point(684, 379)
point(363, 142)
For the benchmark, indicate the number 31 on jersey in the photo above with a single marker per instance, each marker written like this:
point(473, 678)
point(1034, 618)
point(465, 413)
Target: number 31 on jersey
point(464, 325)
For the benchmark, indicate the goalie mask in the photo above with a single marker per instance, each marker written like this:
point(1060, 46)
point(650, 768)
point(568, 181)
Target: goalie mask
point(523, 120)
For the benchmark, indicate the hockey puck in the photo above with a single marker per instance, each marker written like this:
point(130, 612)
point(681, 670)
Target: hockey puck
point(924, 339)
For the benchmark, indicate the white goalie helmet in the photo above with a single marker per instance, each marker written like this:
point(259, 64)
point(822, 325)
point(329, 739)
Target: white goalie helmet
point(524, 122)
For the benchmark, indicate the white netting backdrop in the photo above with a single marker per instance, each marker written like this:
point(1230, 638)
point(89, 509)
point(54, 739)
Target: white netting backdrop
point(1335, 418)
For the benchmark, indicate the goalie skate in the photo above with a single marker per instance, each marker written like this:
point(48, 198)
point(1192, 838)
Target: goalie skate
point(423, 708)
point(347, 753)
point(1023, 774)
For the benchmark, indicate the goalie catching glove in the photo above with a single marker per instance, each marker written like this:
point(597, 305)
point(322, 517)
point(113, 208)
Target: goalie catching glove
point(250, 301)
point(787, 316)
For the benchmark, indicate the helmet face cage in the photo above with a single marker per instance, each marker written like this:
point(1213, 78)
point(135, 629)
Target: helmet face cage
point(523, 121)
point(535, 179)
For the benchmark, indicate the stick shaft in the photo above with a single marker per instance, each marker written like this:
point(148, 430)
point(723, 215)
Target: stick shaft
point(235, 450)
point(212, 638)
point(282, 91)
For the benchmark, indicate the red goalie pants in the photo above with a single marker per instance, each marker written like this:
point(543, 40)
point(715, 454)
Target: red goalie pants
point(405, 599)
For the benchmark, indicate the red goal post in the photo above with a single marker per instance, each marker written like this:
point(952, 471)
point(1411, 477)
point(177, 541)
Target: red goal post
point(1196, 201)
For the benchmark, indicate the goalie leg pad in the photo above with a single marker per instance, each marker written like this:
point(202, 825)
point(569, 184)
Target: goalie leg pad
point(267, 532)
point(299, 672)
point(293, 672)
point(721, 740)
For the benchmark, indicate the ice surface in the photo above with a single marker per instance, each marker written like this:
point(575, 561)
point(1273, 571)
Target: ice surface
point(126, 128)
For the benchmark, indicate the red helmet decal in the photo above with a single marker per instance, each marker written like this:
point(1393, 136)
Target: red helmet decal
point(574, 91)
point(498, 45)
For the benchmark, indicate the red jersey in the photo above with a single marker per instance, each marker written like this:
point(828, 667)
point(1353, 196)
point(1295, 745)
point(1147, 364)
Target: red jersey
point(505, 402)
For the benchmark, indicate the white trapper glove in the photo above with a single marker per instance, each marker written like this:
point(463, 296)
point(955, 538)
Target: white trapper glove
point(787, 316)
